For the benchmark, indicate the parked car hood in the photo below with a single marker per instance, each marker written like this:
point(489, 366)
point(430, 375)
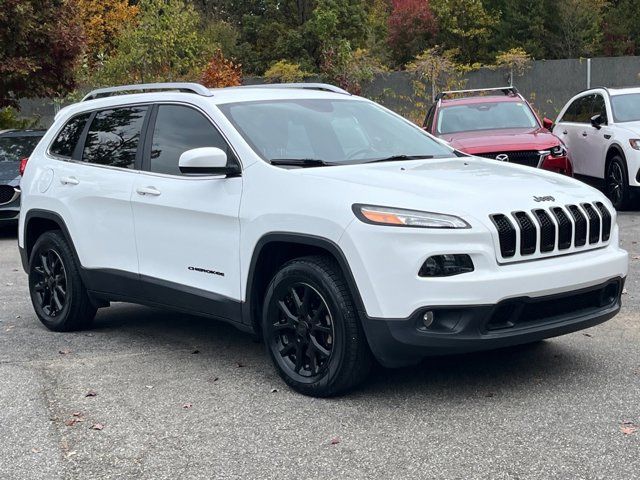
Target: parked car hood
point(464, 184)
point(633, 127)
point(9, 172)
point(506, 140)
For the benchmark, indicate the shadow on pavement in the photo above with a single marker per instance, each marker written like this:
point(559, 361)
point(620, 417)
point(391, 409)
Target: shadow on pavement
point(9, 231)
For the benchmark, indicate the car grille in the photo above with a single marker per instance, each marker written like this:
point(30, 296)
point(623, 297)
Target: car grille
point(530, 158)
point(7, 194)
point(552, 231)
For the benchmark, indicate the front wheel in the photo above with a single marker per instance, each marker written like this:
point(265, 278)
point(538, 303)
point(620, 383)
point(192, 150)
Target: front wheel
point(617, 184)
point(58, 295)
point(311, 328)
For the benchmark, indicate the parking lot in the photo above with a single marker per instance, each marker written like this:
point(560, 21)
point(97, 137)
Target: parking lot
point(154, 394)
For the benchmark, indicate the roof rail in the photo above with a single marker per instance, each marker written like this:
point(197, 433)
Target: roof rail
point(505, 90)
point(148, 87)
point(325, 87)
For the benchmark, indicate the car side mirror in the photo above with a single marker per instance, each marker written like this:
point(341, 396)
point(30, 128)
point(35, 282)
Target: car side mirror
point(206, 161)
point(597, 121)
point(547, 123)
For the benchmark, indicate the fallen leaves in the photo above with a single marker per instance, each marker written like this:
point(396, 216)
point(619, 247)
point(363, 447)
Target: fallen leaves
point(239, 365)
point(335, 440)
point(91, 393)
point(97, 426)
point(77, 417)
point(195, 352)
point(629, 428)
point(274, 390)
point(64, 352)
point(635, 257)
point(187, 405)
point(587, 335)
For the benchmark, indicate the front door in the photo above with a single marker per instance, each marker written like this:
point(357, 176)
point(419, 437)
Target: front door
point(187, 228)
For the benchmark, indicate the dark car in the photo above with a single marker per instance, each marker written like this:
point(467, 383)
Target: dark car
point(15, 145)
point(497, 123)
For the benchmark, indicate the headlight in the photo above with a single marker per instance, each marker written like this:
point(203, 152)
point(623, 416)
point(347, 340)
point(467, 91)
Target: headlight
point(406, 218)
point(635, 143)
point(558, 151)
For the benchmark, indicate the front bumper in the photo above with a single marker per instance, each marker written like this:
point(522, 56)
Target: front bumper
point(461, 329)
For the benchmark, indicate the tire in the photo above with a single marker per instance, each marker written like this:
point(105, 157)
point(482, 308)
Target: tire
point(311, 329)
point(617, 183)
point(58, 295)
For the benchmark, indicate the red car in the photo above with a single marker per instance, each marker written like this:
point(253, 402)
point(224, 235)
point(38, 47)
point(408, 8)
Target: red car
point(500, 125)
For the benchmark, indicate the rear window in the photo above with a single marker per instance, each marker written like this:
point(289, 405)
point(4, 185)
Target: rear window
point(113, 137)
point(66, 141)
point(15, 148)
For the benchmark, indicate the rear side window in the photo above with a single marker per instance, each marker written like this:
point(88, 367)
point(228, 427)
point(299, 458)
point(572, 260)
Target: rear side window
point(66, 141)
point(178, 129)
point(114, 136)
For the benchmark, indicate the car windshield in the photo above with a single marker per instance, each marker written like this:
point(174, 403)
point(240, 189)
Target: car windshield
point(15, 148)
point(626, 108)
point(485, 116)
point(331, 131)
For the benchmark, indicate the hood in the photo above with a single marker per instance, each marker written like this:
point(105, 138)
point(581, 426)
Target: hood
point(9, 172)
point(633, 127)
point(468, 185)
point(507, 140)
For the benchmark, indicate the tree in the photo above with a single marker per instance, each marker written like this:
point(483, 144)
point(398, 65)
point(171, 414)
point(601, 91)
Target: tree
point(412, 28)
point(435, 68)
point(165, 45)
point(464, 25)
point(577, 30)
point(221, 72)
point(103, 21)
point(620, 28)
point(514, 61)
point(40, 44)
point(283, 71)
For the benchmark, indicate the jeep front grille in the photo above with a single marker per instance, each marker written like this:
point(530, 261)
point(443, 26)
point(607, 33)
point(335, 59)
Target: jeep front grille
point(553, 231)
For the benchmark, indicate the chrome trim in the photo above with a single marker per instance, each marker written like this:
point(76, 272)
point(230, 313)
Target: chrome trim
point(16, 194)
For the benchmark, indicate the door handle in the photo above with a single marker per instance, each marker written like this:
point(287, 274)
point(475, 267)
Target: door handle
point(153, 191)
point(564, 132)
point(584, 134)
point(69, 181)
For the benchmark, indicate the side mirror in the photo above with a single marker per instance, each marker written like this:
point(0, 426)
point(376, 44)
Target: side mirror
point(547, 123)
point(597, 121)
point(206, 161)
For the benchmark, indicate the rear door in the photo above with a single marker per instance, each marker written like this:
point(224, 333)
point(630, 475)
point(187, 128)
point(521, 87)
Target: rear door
point(101, 151)
point(596, 139)
point(187, 227)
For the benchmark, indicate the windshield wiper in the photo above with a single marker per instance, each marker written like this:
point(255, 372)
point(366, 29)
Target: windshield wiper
point(300, 162)
point(393, 158)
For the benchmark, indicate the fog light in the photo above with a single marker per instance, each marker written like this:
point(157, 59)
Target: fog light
point(427, 319)
point(446, 265)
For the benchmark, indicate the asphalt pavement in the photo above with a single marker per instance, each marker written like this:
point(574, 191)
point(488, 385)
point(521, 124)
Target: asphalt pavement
point(151, 394)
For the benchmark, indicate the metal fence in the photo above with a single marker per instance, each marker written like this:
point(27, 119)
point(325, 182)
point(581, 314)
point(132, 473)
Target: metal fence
point(548, 84)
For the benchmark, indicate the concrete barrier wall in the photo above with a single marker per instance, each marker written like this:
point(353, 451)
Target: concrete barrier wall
point(548, 84)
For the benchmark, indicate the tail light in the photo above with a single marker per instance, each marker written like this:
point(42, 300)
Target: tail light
point(23, 165)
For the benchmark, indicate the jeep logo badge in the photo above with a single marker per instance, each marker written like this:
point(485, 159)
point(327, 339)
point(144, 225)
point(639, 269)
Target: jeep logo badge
point(503, 157)
point(548, 198)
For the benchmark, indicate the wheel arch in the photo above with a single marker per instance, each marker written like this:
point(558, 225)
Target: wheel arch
point(275, 249)
point(613, 150)
point(38, 222)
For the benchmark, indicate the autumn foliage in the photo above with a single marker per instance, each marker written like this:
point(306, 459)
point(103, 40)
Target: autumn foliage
point(221, 72)
point(411, 28)
point(40, 43)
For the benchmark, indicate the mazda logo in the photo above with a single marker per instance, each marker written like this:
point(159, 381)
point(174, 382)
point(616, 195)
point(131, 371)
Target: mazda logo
point(503, 157)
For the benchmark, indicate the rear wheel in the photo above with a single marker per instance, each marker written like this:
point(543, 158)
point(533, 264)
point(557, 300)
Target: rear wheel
point(58, 295)
point(311, 328)
point(617, 183)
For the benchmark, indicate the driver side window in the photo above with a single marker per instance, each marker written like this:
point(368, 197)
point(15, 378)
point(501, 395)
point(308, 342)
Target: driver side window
point(580, 110)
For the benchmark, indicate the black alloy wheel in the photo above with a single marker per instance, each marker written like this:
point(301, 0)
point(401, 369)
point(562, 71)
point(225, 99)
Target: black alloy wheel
point(617, 184)
point(50, 282)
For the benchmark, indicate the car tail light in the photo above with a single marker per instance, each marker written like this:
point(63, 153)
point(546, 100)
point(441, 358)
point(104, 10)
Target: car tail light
point(23, 165)
point(558, 164)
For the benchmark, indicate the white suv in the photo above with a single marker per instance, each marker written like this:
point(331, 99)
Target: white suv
point(334, 229)
point(601, 129)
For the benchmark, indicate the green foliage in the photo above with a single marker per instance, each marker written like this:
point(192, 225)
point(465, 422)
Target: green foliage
point(9, 119)
point(284, 72)
point(40, 44)
point(166, 45)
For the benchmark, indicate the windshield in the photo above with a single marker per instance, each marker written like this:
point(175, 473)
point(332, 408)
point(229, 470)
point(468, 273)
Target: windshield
point(626, 108)
point(485, 116)
point(14, 149)
point(334, 131)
